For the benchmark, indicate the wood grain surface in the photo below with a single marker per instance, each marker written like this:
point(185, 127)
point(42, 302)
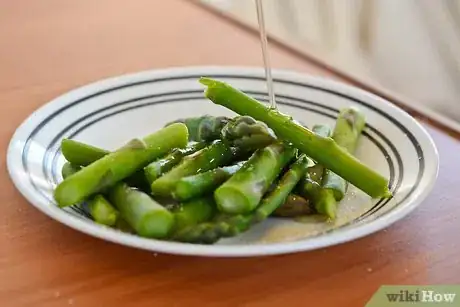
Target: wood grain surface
point(49, 47)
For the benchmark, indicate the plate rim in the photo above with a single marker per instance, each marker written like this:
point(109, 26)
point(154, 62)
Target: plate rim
point(248, 250)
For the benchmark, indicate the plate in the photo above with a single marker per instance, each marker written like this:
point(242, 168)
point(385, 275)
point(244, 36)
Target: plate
point(110, 112)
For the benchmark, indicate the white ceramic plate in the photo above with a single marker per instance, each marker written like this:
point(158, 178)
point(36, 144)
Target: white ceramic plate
point(110, 112)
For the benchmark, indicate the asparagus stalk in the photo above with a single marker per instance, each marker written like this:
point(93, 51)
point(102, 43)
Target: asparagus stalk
point(102, 211)
point(323, 150)
point(119, 165)
point(204, 183)
point(157, 168)
point(81, 154)
point(348, 128)
point(143, 214)
point(310, 185)
point(234, 224)
point(215, 155)
point(204, 128)
point(98, 207)
point(287, 183)
point(294, 205)
point(246, 132)
point(69, 169)
point(244, 190)
point(194, 212)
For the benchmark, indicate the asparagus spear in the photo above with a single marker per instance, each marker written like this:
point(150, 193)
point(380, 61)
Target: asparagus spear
point(246, 132)
point(310, 185)
point(194, 212)
point(81, 154)
point(69, 169)
point(234, 224)
point(204, 183)
point(215, 155)
point(102, 211)
point(294, 205)
point(119, 165)
point(98, 207)
point(323, 150)
point(349, 125)
point(348, 128)
point(204, 128)
point(143, 214)
point(244, 190)
point(157, 168)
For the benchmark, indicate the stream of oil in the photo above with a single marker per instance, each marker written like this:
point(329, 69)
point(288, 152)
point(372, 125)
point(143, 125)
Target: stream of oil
point(265, 55)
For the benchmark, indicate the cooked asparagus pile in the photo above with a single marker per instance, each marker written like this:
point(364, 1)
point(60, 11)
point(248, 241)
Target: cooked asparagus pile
point(201, 179)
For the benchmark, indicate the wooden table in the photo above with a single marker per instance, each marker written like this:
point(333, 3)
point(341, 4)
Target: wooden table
point(52, 46)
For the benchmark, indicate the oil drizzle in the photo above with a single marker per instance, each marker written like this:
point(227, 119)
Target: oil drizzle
point(265, 55)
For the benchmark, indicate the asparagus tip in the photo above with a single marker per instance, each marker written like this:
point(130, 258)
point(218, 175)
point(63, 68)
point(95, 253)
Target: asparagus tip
point(331, 211)
point(326, 204)
point(206, 81)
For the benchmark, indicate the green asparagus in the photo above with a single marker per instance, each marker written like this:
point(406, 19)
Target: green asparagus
point(348, 128)
point(215, 155)
point(143, 214)
point(204, 128)
point(157, 168)
point(193, 212)
point(232, 225)
point(349, 125)
point(119, 165)
point(311, 184)
point(246, 132)
point(81, 154)
point(287, 183)
point(102, 211)
point(98, 207)
point(69, 169)
point(244, 190)
point(203, 183)
point(323, 150)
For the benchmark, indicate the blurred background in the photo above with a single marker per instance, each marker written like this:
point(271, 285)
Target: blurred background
point(411, 47)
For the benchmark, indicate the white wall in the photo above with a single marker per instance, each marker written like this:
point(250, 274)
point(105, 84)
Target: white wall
point(409, 46)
